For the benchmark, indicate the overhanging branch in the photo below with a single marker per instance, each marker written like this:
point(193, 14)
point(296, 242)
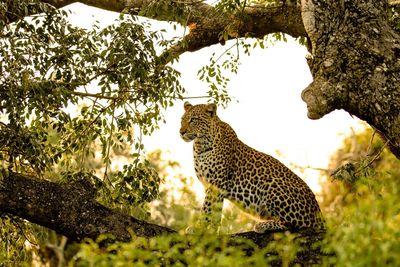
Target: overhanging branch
point(207, 24)
point(256, 21)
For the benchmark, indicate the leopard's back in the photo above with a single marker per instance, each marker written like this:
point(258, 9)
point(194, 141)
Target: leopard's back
point(265, 187)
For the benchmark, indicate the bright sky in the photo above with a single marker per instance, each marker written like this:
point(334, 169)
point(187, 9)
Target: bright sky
point(267, 112)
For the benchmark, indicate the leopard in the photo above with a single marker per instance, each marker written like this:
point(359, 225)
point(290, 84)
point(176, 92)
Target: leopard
point(257, 183)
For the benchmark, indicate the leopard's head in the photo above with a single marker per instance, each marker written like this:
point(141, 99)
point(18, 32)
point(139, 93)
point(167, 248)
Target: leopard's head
point(196, 120)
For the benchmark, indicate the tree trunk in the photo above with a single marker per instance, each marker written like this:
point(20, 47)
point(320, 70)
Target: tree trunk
point(355, 63)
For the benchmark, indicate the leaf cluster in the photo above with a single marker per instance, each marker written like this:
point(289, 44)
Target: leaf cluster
point(362, 204)
point(168, 10)
point(365, 232)
point(179, 250)
point(67, 93)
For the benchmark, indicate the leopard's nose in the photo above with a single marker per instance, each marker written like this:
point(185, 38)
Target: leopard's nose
point(182, 131)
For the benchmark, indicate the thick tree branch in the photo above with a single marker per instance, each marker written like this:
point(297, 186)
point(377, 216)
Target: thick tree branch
point(110, 5)
point(69, 209)
point(256, 21)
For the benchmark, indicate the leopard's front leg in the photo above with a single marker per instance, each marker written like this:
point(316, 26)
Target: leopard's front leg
point(212, 207)
point(210, 219)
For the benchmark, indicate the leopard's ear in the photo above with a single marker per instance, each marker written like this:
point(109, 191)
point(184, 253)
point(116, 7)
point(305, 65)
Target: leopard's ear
point(187, 106)
point(212, 109)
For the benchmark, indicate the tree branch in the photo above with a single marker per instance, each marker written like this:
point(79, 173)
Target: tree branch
point(110, 5)
point(98, 96)
point(206, 23)
point(257, 21)
point(69, 209)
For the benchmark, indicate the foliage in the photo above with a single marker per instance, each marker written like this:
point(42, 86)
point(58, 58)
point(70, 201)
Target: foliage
point(365, 232)
point(168, 10)
point(12, 242)
point(49, 65)
point(68, 93)
point(214, 74)
point(179, 250)
point(237, 5)
point(361, 155)
point(362, 208)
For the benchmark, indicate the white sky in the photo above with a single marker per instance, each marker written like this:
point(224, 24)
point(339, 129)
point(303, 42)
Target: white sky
point(267, 112)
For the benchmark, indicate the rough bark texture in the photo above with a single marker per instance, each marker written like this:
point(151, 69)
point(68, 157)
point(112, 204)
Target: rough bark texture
point(68, 209)
point(355, 63)
point(71, 210)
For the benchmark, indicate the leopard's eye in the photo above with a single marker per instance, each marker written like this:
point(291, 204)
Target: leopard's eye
point(192, 120)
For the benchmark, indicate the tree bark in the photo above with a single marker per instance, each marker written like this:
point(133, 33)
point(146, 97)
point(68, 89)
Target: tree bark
point(69, 209)
point(355, 63)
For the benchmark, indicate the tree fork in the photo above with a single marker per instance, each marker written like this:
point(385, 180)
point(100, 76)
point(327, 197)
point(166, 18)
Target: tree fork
point(355, 63)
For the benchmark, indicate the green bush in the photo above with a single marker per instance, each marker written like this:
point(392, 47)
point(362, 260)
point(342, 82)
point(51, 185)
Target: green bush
point(172, 250)
point(366, 231)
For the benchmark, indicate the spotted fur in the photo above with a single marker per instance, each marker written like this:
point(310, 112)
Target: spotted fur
point(256, 182)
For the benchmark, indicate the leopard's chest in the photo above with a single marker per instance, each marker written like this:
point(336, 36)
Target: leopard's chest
point(211, 169)
point(204, 166)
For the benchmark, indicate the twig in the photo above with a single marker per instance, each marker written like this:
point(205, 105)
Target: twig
point(195, 97)
point(94, 95)
point(109, 147)
point(23, 233)
point(370, 143)
point(311, 168)
point(226, 51)
point(188, 2)
point(377, 155)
